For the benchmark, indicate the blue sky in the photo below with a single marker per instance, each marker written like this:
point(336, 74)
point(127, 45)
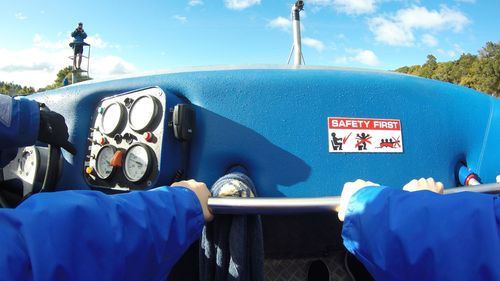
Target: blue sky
point(139, 36)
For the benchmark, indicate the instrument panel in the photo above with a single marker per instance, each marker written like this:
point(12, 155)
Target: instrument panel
point(125, 140)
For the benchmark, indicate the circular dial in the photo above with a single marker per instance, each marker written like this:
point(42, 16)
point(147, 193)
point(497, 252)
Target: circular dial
point(138, 162)
point(103, 162)
point(142, 113)
point(28, 162)
point(112, 118)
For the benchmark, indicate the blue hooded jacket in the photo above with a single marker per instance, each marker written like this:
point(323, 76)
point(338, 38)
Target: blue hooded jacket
point(87, 235)
point(400, 235)
point(79, 36)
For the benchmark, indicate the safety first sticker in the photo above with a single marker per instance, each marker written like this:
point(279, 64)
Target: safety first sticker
point(364, 135)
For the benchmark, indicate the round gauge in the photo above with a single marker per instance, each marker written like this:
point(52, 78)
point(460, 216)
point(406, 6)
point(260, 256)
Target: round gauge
point(28, 163)
point(142, 113)
point(103, 162)
point(138, 162)
point(112, 118)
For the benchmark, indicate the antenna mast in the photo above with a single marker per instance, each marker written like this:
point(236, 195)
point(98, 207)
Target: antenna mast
point(298, 58)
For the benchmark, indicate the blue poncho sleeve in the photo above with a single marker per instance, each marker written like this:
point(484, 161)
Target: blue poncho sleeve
point(401, 235)
point(87, 235)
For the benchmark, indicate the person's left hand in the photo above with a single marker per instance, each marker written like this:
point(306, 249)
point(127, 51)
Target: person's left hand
point(349, 189)
point(53, 130)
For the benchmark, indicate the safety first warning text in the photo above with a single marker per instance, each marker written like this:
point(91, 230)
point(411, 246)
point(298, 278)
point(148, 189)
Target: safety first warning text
point(364, 135)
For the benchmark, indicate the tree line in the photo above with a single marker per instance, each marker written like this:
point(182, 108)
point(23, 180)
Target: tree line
point(480, 72)
point(12, 89)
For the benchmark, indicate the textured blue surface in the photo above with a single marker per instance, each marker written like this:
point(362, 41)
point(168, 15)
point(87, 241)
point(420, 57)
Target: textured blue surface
point(274, 122)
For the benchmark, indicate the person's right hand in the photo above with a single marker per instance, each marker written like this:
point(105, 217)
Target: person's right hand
point(349, 189)
point(424, 184)
point(202, 192)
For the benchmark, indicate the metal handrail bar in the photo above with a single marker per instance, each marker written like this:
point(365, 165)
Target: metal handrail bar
point(301, 205)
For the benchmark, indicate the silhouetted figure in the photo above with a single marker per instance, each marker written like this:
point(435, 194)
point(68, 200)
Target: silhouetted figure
point(77, 45)
point(336, 142)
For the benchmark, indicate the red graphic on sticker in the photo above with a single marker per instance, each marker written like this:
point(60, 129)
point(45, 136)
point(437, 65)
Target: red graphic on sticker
point(363, 140)
point(391, 143)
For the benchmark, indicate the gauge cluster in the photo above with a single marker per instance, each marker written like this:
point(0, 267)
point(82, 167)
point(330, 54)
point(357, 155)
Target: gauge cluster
point(125, 140)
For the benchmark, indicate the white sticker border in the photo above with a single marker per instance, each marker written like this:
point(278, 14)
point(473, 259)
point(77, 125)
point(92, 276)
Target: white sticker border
point(365, 135)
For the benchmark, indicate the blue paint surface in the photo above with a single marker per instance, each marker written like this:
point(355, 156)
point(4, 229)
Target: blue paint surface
point(274, 122)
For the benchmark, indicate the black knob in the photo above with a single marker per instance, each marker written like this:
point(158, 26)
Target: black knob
point(118, 138)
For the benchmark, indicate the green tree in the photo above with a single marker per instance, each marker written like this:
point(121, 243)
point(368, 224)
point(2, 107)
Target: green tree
point(65, 73)
point(429, 67)
point(480, 72)
point(12, 89)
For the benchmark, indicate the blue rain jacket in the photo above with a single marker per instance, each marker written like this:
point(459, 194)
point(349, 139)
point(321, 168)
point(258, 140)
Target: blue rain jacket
point(79, 36)
point(19, 123)
point(87, 235)
point(401, 235)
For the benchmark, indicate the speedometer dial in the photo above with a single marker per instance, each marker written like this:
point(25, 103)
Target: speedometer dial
point(112, 118)
point(138, 162)
point(142, 113)
point(103, 162)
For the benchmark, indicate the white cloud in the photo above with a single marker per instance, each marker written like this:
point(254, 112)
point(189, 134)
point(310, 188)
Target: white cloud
point(320, 2)
point(449, 53)
point(452, 53)
point(313, 43)
point(94, 40)
point(398, 30)
point(240, 4)
point(193, 3)
point(97, 42)
point(110, 66)
point(40, 42)
point(20, 16)
point(429, 40)
point(420, 17)
point(281, 23)
point(341, 60)
point(350, 7)
point(181, 19)
point(390, 32)
point(366, 57)
point(355, 7)
point(38, 66)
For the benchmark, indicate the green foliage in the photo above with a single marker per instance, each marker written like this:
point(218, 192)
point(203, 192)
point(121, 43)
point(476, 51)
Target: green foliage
point(480, 72)
point(65, 73)
point(12, 89)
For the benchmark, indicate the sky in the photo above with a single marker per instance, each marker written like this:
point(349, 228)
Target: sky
point(130, 37)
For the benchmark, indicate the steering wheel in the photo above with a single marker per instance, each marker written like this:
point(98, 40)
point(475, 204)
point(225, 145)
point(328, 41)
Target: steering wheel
point(23, 183)
point(34, 163)
point(18, 183)
point(52, 169)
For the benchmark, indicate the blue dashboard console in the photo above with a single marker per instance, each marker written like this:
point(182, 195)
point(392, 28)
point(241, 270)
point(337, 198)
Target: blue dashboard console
point(300, 132)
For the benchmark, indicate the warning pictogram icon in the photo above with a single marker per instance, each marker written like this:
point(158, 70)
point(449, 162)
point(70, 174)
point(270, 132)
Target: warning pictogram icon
point(391, 143)
point(362, 141)
point(336, 142)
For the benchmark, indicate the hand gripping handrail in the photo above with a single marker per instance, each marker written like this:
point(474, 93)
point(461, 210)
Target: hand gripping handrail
point(301, 205)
